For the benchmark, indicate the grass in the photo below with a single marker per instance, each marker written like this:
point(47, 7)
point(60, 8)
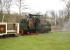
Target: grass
point(47, 41)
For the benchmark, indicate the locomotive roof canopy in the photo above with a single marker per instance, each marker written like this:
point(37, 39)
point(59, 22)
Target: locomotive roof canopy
point(34, 15)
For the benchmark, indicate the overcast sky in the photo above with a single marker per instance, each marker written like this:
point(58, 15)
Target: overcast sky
point(41, 6)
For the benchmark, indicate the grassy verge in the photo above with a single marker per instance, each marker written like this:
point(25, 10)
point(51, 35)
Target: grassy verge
point(47, 41)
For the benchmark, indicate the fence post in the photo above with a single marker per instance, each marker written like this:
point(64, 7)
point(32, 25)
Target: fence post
point(17, 28)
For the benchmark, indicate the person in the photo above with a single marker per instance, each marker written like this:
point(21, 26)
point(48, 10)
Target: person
point(30, 24)
point(23, 26)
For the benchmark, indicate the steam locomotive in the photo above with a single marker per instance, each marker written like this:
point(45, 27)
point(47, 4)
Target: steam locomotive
point(33, 24)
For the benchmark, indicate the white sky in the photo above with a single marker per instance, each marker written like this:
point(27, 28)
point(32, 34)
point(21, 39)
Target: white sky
point(41, 5)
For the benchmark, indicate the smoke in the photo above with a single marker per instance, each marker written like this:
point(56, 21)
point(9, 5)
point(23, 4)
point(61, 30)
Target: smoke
point(66, 26)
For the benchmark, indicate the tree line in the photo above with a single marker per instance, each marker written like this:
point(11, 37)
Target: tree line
point(61, 17)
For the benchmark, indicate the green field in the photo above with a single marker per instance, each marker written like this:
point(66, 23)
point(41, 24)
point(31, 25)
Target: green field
point(46, 41)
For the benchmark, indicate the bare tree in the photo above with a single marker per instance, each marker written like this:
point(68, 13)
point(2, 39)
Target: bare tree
point(8, 5)
point(20, 4)
point(67, 9)
point(2, 4)
point(46, 14)
point(53, 16)
point(61, 17)
point(1, 7)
